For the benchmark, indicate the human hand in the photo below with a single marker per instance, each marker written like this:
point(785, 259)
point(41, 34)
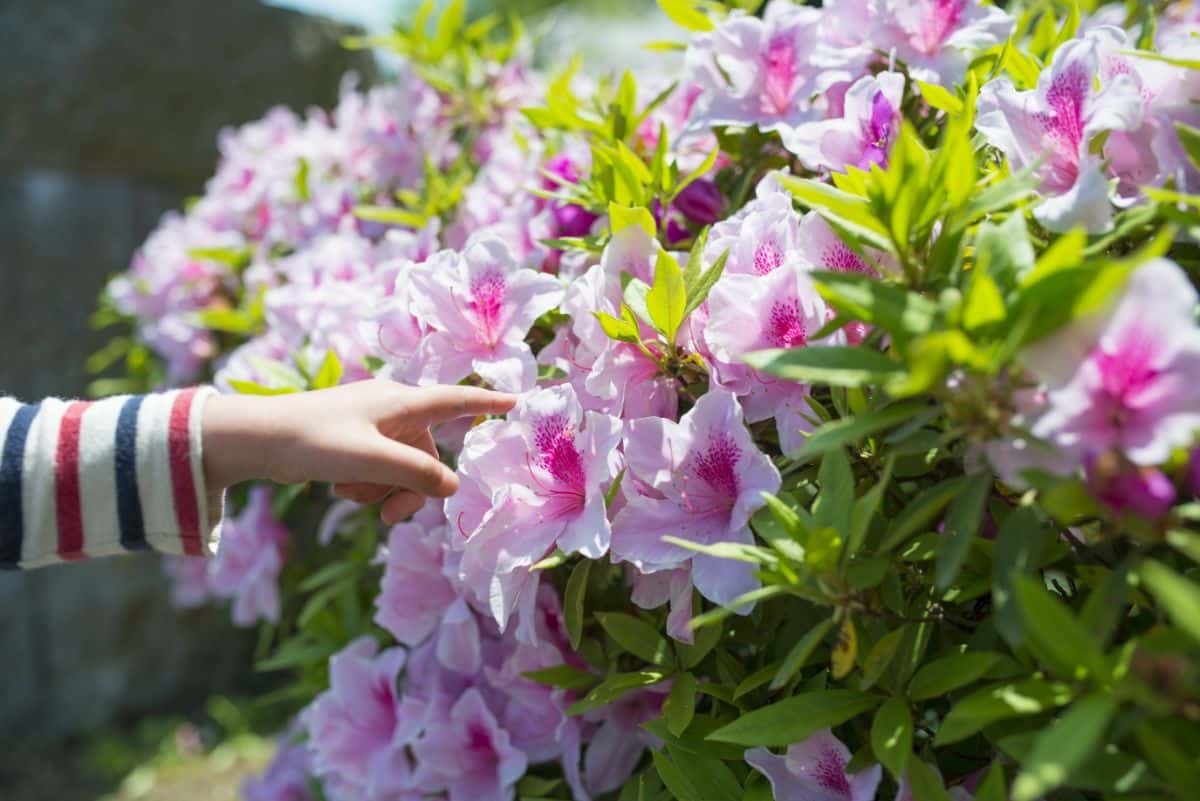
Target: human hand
point(370, 439)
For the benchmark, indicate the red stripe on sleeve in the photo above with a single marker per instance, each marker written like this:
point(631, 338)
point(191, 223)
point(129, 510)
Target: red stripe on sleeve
point(179, 443)
point(68, 501)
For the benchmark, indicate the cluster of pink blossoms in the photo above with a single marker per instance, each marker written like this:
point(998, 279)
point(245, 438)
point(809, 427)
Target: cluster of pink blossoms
point(607, 455)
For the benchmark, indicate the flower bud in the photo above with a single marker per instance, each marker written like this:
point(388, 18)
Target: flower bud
point(701, 202)
point(1129, 489)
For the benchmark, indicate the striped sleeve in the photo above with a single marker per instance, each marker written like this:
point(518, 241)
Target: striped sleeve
point(82, 479)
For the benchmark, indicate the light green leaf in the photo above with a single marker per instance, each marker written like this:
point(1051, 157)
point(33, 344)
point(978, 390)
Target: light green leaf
point(944, 676)
point(330, 372)
point(892, 735)
point(1063, 747)
point(837, 366)
point(622, 217)
point(796, 718)
point(637, 637)
point(686, 15)
point(1179, 596)
point(680, 706)
point(1055, 633)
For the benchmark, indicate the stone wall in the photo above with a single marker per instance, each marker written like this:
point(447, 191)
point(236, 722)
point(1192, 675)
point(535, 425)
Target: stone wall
point(109, 112)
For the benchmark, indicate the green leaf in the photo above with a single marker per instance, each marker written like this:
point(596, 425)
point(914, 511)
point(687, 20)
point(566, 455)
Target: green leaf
point(838, 365)
point(330, 372)
point(565, 676)
point(252, 388)
point(892, 735)
point(837, 434)
point(622, 217)
point(1180, 597)
point(866, 298)
point(1019, 546)
point(614, 687)
point(944, 676)
point(799, 654)
point(940, 98)
point(881, 655)
point(963, 519)
point(637, 637)
point(1001, 702)
point(680, 706)
point(666, 302)
point(851, 213)
point(697, 291)
point(1055, 633)
point(796, 718)
point(301, 181)
point(926, 784)
point(620, 330)
point(1174, 764)
point(835, 501)
point(573, 600)
point(992, 788)
point(983, 304)
point(706, 639)
point(920, 512)
point(686, 15)
point(1063, 747)
point(1189, 137)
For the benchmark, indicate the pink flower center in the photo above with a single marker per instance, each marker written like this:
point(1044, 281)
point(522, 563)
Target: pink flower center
point(767, 256)
point(716, 466)
point(554, 442)
point(1063, 126)
point(841, 258)
point(877, 133)
point(1127, 377)
point(480, 746)
point(779, 82)
point(785, 326)
point(941, 18)
point(830, 773)
point(487, 304)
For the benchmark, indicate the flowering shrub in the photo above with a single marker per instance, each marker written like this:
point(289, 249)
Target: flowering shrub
point(856, 453)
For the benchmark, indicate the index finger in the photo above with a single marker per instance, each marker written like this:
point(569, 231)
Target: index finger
point(441, 404)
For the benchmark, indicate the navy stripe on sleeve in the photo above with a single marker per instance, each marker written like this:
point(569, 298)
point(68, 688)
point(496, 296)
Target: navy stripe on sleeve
point(12, 463)
point(129, 503)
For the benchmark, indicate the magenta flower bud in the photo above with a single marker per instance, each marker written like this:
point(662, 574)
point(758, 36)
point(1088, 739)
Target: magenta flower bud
point(701, 202)
point(1128, 489)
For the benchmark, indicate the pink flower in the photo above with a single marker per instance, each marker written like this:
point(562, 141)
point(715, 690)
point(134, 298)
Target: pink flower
point(478, 305)
point(760, 236)
point(1128, 379)
point(468, 755)
point(820, 245)
point(750, 313)
point(189, 580)
point(935, 39)
point(815, 770)
point(700, 480)
point(1126, 489)
point(285, 779)
point(756, 71)
point(534, 481)
point(652, 590)
point(619, 741)
point(249, 558)
point(862, 136)
point(358, 729)
point(419, 597)
point(1055, 124)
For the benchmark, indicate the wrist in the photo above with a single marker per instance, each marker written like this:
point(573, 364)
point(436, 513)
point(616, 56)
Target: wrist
point(237, 439)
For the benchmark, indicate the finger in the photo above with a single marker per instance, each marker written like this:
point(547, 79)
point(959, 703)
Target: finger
point(401, 506)
point(396, 464)
point(361, 492)
point(425, 442)
point(442, 403)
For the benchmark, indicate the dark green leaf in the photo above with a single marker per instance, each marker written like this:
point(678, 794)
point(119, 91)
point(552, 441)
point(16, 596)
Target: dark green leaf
point(1064, 746)
point(1179, 596)
point(835, 435)
point(963, 519)
point(680, 706)
point(573, 600)
point(637, 637)
point(796, 718)
point(945, 675)
point(798, 656)
point(892, 735)
point(1001, 702)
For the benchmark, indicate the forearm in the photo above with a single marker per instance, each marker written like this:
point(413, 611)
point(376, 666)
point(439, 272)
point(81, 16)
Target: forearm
point(84, 479)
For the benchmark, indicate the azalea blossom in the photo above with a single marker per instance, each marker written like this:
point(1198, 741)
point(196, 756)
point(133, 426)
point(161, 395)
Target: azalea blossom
point(287, 777)
point(862, 137)
point(1127, 379)
point(189, 580)
point(359, 728)
point(619, 740)
point(760, 236)
point(698, 480)
point(1054, 125)
point(752, 313)
point(419, 595)
point(756, 71)
point(935, 39)
point(468, 755)
point(478, 306)
point(535, 481)
point(246, 567)
point(815, 770)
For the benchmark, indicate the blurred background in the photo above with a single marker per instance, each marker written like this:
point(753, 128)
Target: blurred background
point(109, 115)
